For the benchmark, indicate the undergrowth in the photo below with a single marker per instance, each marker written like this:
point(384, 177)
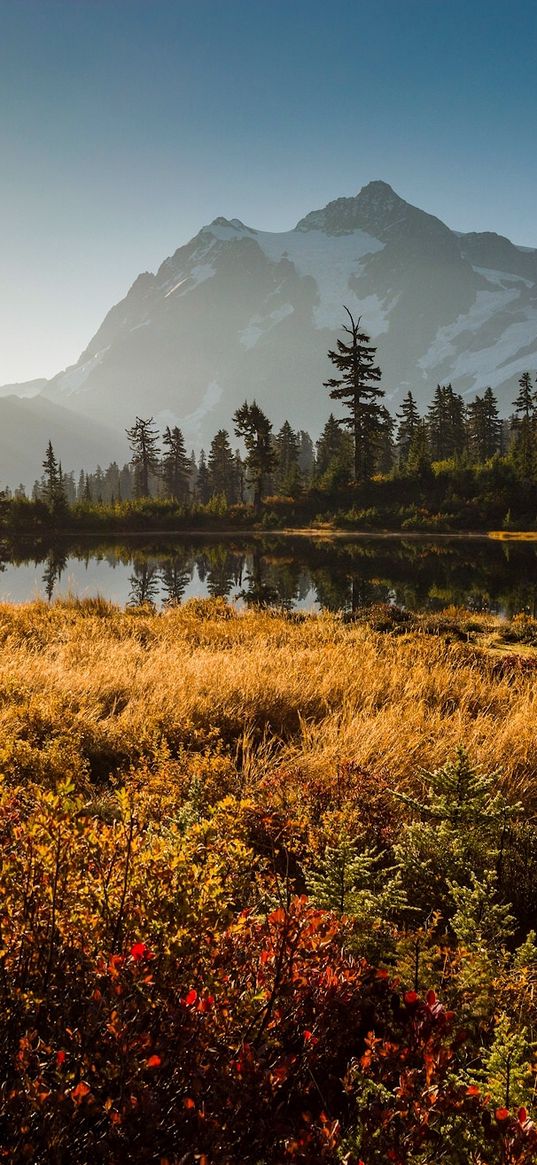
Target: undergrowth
point(267, 889)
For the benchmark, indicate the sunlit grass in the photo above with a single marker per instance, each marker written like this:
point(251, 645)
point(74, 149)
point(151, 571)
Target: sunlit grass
point(87, 689)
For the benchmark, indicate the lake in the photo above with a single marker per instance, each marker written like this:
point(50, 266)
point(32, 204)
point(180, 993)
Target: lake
point(293, 572)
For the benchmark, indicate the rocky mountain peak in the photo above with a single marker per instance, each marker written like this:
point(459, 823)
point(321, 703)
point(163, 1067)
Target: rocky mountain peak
point(379, 211)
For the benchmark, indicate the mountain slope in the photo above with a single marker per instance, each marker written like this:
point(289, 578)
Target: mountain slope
point(239, 313)
point(26, 425)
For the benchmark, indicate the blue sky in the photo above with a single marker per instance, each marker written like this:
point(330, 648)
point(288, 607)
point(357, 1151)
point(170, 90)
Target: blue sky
point(125, 125)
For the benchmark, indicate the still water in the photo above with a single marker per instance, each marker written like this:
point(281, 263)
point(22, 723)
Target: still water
point(338, 574)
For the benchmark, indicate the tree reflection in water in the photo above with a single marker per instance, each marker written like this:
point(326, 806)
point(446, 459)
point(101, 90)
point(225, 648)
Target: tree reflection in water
point(339, 575)
point(55, 564)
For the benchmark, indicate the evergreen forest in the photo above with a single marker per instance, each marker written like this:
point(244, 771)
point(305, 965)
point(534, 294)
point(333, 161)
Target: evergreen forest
point(460, 466)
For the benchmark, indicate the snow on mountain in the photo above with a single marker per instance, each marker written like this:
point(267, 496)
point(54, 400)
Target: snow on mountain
point(239, 312)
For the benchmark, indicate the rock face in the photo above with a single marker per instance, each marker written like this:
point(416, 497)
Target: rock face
point(240, 313)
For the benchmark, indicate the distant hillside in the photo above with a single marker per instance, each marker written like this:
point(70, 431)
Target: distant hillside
point(25, 428)
point(23, 388)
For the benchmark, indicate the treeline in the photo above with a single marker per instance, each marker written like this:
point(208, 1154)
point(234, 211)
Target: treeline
point(287, 462)
point(366, 444)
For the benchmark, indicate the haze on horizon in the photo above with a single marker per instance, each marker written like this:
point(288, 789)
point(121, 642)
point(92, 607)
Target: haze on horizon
point(128, 125)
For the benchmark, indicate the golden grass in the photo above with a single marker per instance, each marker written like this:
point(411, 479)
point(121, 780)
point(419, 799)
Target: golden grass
point(514, 535)
point(87, 689)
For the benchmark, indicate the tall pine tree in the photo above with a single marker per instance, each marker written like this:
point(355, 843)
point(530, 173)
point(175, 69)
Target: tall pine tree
point(256, 431)
point(286, 451)
point(143, 441)
point(484, 427)
point(408, 420)
point(524, 452)
point(221, 468)
point(356, 388)
point(175, 465)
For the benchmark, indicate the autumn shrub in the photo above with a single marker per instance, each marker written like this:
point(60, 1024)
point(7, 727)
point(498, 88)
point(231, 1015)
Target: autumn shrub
point(267, 889)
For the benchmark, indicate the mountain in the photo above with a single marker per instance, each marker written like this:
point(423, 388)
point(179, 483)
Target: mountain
point(26, 425)
point(23, 388)
point(240, 313)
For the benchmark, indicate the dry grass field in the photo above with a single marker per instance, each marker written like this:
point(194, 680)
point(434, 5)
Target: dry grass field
point(87, 690)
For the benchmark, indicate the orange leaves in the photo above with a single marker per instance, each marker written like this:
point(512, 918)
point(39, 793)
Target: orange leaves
point(153, 1062)
point(80, 1092)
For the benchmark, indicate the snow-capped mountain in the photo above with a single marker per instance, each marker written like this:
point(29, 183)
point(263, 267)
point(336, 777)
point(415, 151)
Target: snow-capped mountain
point(238, 313)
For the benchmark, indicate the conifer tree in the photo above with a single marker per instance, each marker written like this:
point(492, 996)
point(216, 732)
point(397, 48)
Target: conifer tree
point(334, 453)
point(256, 431)
point(239, 476)
point(356, 387)
point(221, 468)
point(111, 483)
point(52, 484)
point(460, 828)
point(143, 441)
point(507, 1072)
point(418, 461)
point(480, 920)
point(126, 483)
point(446, 424)
point(385, 453)
point(175, 465)
point(484, 427)
point(351, 881)
point(306, 454)
point(202, 480)
point(98, 485)
point(286, 452)
point(408, 419)
point(524, 451)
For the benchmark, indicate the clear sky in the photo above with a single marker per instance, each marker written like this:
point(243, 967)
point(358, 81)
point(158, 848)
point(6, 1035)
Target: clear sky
point(126, 125)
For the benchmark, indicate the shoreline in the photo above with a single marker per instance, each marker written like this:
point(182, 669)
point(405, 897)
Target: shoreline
point(299, 532)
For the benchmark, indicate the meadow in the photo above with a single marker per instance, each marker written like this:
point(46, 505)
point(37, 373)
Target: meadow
point(267, 890)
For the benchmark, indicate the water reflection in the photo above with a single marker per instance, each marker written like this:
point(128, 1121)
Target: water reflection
point(287, 572)
point(55, 564)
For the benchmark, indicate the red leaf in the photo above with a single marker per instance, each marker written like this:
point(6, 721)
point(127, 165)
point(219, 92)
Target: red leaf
point(60, 1058)
point(411, 998)
point(154, 1062)
point(472, 1090)
point(189, 1103)
point(522, 1115)
point(431, 998)
point(140, 951)
point(502, 1114)
point(190, 999)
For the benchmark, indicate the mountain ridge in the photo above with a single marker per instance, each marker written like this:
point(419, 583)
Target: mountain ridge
point(239, 312)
